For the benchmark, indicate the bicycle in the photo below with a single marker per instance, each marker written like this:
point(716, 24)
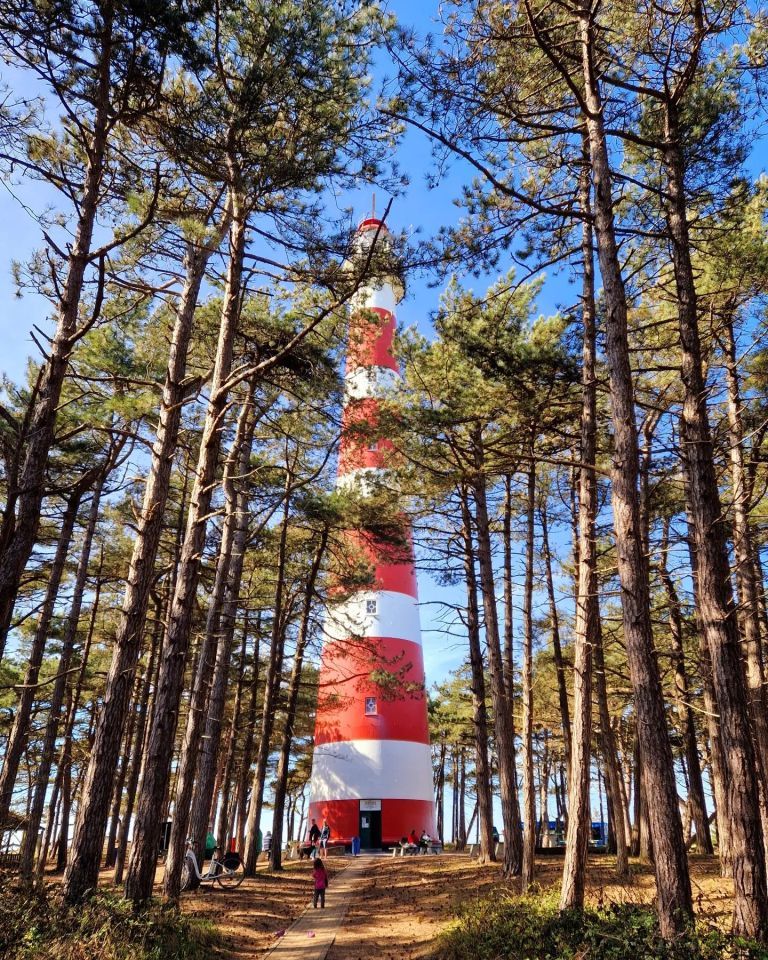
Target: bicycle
point(227, 872)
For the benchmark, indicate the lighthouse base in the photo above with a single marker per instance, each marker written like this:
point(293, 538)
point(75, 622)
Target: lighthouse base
point(378, 823)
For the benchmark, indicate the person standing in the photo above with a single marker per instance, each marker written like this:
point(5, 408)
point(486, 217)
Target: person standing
point(314, 835)
point(320, 878)
point(325, 836)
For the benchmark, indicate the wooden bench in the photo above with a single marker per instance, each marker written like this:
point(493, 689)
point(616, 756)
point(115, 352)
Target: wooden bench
point(401, 851)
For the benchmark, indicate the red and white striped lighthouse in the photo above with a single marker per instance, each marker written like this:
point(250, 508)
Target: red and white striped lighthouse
point(372, 767)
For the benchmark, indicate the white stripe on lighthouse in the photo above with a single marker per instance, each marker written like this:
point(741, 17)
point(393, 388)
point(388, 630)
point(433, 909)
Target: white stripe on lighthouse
point(382, 297)
point(364, 383)
point(366, 481)
point(372, 614)
point(384, 769)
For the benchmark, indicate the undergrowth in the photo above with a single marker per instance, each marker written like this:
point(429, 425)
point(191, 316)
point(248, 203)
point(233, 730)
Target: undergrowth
point(509, 927)
point(40, 926)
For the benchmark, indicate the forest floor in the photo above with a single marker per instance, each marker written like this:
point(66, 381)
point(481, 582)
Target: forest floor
point(401, 904)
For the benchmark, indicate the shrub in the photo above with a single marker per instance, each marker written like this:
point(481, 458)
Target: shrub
point(38, 925)
point(508, 927)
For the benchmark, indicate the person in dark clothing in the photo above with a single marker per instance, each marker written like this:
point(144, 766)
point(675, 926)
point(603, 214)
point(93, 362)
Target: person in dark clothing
point(314, 834)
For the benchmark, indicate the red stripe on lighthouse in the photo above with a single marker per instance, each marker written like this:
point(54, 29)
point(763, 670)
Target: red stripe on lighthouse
point(370, 342)
point(346, 685)
point(398, 818)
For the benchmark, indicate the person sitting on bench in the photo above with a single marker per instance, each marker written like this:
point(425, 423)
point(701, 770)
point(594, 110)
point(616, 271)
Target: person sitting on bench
point(425, 841)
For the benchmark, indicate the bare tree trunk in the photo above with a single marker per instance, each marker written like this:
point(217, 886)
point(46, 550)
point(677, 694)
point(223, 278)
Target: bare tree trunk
point(672, 878)
point(294, 685)
point(529, 790)
point(271, 690)
point(719, 771)
point(587, 618)
point(214, 658)
point(83, 869)
point(223, 831)
point(65, 760)
point(244, 775)
point(141, 866)
point(747, 583)
point(479, 709)
point(685, 710)
point(462, 799)
point(139, 743)
point(122, 773)
point(440, 792)
point(503, 718)
point(613, 781)
point(57, 696)
point(557, 650)
point(509, 613)
point(17, 740)
point(750, 911)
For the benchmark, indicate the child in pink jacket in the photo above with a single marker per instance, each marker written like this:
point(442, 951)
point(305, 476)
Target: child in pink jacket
point(320, 876)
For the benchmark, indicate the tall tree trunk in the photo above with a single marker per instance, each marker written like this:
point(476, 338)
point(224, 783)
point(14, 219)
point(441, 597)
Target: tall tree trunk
point(750, 910)
point(440, 792)
point(47, 750)
point(83, 868)
point(271, 690)
point(719, 770)
point(139, 742)
point(509, 611)
point(462, 799)
point(141, 865)
point(63, 774)
point(696, 798)
point(586, 622)
point(292, 701)
point(479, 709)
point(747, 584)
point(244, 774)
point(557, 650)
point(613, 781)
point(529, 789)
point(672, 878)
point(19, 529)
point(17, 740)
point(213, 667)
point(120, 778)
point(503, 717)
point(223, 832)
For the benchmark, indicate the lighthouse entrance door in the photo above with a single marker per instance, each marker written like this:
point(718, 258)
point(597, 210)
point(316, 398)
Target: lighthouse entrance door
point(370, 824)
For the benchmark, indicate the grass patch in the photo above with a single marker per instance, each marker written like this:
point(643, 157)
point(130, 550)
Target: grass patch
point(508, 927)
point(38, 925)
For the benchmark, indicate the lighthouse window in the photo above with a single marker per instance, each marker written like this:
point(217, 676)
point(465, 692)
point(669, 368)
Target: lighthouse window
point(370, 707)
point(370, 606)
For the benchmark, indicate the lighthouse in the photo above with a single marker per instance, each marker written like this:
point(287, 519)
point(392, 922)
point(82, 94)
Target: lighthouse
point(372, 766)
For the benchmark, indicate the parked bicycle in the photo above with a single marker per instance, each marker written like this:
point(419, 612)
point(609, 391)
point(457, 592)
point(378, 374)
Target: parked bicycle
point(227, 872)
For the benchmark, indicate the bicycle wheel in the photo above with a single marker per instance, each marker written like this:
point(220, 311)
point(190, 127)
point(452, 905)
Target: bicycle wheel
point(228, 877)
point(186, 875)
